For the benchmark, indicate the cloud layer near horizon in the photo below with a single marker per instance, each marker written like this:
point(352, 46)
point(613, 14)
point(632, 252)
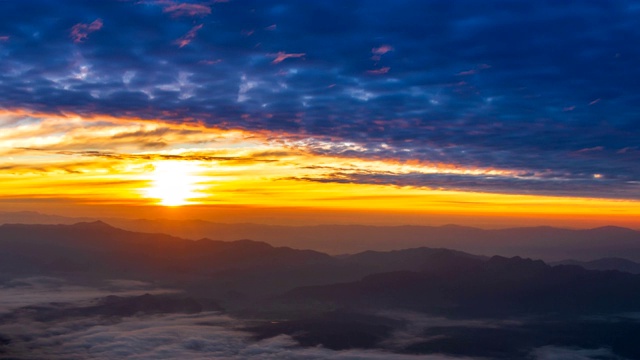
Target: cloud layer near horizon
point(543, 90)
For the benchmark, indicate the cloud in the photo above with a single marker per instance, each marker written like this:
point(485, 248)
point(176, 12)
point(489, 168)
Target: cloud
point(595, 148)
point(415, 325)
point(201, 336)
point(204, 335)
point(245, 86)
point(380, 71)
point(185, 156)
point(186, 9)
point(564, 353)
point(188, 37)
point(281, 56)
point(114, 140)
point(80, 32)
point(20, 292)
point(379, 51)
point(40, 132)
point(590, 186)
point(482, 90)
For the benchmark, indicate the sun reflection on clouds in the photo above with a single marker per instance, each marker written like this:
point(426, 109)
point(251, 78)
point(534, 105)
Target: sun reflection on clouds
point(138, 162)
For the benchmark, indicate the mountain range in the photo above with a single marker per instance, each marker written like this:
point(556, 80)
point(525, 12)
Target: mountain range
point(458, 304)
point(244, 269)
point(547, 243)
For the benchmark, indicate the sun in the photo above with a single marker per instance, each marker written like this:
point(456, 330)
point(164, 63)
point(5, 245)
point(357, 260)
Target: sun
point(174, 183)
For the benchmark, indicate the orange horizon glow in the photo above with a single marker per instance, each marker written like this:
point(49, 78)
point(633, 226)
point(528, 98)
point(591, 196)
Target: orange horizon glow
point(102, 161)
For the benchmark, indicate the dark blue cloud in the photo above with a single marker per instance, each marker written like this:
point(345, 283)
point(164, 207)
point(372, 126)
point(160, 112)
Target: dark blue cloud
point(544, 87)
point(533, 184)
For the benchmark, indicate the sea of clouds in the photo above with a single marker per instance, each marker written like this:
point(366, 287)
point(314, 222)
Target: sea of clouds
point(206, 335)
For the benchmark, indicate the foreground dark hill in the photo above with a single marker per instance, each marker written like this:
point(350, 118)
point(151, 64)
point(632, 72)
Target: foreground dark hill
point(471, 287)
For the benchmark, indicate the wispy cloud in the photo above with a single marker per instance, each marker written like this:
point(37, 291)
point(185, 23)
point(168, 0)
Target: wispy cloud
point(559, 353)
point(38, 290)
point(186, 9)
point(380, 71)
point(185, 156)
point(187, 38)
point(379, 51)
point(80, 32)
point(591, 186)
point(281, 56)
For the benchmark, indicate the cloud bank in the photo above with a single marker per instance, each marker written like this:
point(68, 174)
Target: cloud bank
point(533, 87)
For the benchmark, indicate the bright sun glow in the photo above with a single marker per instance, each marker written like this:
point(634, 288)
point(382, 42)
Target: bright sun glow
point(174, 183)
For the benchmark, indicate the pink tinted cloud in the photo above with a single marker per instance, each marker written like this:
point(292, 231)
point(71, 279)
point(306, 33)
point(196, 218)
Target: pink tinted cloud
point(381, 50)
point(467, 72)
point(474, 70)
point(595, 101)
point(380, 71)
point(184, 9)
point(4, 38)
point(80, 32)
point(210, 62)
point(282, 56)
point(587, 150)
point(271, 27)
point(627, 149)
point(188, 37)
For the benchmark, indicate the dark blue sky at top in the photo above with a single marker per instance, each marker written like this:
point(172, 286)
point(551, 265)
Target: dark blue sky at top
point(549, 88)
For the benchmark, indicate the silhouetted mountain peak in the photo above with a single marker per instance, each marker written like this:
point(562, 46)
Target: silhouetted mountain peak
point(457, 227)
point(516, 263)
point(613, 229)
point(252, 243)
point(98, 224)
point(610, 263)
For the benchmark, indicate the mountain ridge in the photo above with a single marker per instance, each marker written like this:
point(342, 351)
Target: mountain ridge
point(544, 242)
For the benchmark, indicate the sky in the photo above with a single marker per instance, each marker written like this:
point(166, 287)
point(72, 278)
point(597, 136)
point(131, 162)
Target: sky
point(488, 113)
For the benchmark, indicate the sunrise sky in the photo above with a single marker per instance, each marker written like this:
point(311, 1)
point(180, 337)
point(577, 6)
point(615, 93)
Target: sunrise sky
point(491, 114)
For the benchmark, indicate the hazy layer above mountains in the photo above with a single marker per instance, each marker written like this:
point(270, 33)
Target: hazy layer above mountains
point(547, 243)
